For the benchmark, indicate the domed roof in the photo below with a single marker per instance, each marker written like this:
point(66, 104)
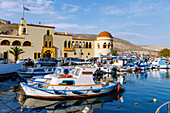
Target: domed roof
point(105, 34)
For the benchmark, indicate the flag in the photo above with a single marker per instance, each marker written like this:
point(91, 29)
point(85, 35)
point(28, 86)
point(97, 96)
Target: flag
point(26, 9)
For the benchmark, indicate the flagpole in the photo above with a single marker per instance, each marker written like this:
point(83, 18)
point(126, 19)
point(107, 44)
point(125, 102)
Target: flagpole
point(23, 11)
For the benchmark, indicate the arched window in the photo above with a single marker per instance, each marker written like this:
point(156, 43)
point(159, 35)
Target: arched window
point(104, 45)
point(98, 45)
point(83, 44)
point(45, 43)
point(76, 44)
point(65, 44)
point(5, 42)
point(109, 45)
point(48, 32)
point(24, 31)
point(87, 45)
point(27, 43)
point(73, 44)
point(80, 45)
point(49, 44)
point(16, 43)
point(69, 44)
point(90, 45)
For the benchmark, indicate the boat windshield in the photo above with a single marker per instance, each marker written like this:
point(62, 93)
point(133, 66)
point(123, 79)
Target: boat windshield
point(57, 71)
point(77, 72)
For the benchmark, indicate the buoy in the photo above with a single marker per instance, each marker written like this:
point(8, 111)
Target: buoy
point(118, 107)
point(154, 100)
point(136, 104)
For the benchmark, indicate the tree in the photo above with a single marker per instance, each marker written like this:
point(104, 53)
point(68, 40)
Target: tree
point(164, 52)
point(43, 55)
point(114, 52)
point(16, 51)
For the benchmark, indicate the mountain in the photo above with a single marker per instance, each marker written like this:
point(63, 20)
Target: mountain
point(154, 48)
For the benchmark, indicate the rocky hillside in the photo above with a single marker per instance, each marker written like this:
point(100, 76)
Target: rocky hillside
point(154, 48)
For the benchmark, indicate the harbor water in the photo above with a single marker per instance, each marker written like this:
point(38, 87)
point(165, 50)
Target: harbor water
point(140, 90)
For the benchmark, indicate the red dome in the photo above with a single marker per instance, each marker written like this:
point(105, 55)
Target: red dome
point(105, 34)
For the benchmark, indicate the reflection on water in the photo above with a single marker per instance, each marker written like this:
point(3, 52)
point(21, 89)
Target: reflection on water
point(158, 73)
point(31, 104)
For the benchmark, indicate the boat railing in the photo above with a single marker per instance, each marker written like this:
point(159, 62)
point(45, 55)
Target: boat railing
point(167, 103)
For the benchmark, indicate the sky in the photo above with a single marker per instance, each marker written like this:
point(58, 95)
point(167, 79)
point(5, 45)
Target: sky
point(141, 22)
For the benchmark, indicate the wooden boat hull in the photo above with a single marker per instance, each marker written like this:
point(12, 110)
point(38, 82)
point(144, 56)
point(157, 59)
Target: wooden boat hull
point(43, 93)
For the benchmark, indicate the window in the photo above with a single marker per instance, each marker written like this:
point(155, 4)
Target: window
point(109, 46)
point(49, 44)
point(45, 43)
point(65, 44)
point(77, 72)
point(73, 44)
point(5, 55)
point(75, 53)
point(76, 44)
point(24, 31)
point(16, 43)
point(5, 42)
point(69, 44)
point(90, 45)
point(80, 45)
point(68, 82)
point(35, 55)
point(88, 53)
point(104, 45)
point(27, 43)
point(65, 55)
point(48, 32)
point(83, 44)
point(39, 54)
point(98, 45)
point(87, 44)
point(81, 53)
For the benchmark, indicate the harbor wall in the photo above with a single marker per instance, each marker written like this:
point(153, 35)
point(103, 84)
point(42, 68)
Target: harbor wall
point(9, 68)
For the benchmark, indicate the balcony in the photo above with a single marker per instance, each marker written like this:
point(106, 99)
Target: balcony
point(68, 49)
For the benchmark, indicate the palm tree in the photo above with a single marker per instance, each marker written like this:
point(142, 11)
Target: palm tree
point(16, 51)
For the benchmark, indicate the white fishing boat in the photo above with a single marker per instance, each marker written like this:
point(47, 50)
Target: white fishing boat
point(79, 84)
point(30, 72)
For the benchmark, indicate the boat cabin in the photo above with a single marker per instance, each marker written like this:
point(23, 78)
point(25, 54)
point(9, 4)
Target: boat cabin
point(80, 76)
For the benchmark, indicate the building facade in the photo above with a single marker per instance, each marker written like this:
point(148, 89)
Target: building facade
point(38, 39)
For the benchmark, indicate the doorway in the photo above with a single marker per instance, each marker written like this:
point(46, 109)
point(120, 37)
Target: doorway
point(48, 53)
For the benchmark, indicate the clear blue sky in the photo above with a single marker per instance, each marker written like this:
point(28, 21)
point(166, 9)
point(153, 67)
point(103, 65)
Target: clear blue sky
point(141, 22)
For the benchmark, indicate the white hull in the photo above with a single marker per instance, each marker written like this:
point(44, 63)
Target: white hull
point(69, 92)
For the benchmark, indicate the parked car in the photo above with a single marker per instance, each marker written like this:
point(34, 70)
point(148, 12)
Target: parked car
point(53, 59)
point(44, 62)
point(26, 62)
point(70, 59)
point(2, 61)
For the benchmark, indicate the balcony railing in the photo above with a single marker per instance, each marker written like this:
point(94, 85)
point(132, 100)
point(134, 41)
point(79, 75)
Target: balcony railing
point(68, 49)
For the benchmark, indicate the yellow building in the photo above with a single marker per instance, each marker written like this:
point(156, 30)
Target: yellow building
point(37, 39)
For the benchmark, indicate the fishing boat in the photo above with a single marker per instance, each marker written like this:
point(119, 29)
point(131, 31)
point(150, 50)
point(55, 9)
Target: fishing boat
point(39, 72)
point(78, 85)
